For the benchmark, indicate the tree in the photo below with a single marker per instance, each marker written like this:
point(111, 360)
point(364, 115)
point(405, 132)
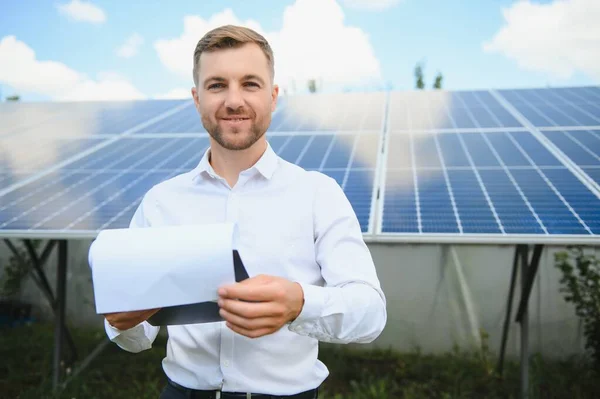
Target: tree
point(312, 85)
point(438, 81)
point(13, 98)
point(420, 84)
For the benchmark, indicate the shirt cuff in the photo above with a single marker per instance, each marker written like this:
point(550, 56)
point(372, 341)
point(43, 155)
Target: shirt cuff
point(111, 332)
point(314, 301)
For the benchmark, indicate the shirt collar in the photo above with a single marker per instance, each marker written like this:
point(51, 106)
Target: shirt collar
point(266, 165)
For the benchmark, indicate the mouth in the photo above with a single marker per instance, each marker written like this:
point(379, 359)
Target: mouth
point(235, 119)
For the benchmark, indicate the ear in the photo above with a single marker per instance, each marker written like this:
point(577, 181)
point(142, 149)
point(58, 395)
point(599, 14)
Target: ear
point(274, 96)
point(195, 97)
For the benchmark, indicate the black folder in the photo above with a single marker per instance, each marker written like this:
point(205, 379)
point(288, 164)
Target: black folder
point(203, 312)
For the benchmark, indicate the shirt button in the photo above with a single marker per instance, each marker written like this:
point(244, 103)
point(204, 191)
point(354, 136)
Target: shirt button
point(226, 363)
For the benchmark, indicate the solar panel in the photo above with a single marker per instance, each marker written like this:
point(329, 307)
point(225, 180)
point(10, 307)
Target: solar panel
point(331, 112)
point(581, 146)
point(486, 182)
point(187, 120)
point(100, 190)
point(81, 119)
point(28, 154)
point(557, 107)
point(350, 159)
point(479, 164)
point(447, 110)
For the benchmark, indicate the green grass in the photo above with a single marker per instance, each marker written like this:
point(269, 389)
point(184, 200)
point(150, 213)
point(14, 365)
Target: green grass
point(26, 354)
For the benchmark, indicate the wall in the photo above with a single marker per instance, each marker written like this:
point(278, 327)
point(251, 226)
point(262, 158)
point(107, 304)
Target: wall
point(437, 296)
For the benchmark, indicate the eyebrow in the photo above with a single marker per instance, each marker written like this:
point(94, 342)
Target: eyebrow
point(245, 77)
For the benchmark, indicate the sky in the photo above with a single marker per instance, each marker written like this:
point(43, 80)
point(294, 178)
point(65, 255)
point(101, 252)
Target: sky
point(79, 50)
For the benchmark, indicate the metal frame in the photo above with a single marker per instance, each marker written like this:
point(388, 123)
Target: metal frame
point(377, 238)
point(528, 272)
point(57, 301)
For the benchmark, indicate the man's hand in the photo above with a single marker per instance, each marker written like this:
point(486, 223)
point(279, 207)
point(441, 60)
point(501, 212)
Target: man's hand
point(127, 320)
point(272, 302)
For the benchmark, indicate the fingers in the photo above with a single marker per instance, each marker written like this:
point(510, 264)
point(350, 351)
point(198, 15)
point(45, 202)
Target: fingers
point(250, 310)
point(127, 320)
point(255, 291)
point(249, 324)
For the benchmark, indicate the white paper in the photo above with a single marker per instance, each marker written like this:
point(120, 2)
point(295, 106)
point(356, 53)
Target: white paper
point(146, 268)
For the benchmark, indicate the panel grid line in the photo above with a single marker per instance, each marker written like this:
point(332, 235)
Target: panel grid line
point(592, 103)
point(510, 175)
point(481, 185)
point(560, 110)
point(443, 164)
point(591, 92)
point(448, 184)
point(549, 183)
point(586, 149)
point(350, 162)
point(127, 186)
point(561, 128)
point(304, 150)
point(136, 202)
point(93, 149)
point(595, 134)
point(415, 174)
point(108, 181)
point(415, 183)
point(52, 182)
point(514, 182)
point(477, 175)
point(68, 189)
point(565, 160)
point(285, 143)
point(327, 152)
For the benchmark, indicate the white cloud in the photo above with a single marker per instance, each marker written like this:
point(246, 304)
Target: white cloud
point(330, 51)
point(82, 11)
point(175, 94)
point(374, 5)
point(20, 69)
point(131, 46)
point(558, 38)
point(176, 54)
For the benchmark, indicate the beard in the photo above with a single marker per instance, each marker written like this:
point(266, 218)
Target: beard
point(237, 139)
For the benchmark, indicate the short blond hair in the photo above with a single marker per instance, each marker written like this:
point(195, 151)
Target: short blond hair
point(231, 36)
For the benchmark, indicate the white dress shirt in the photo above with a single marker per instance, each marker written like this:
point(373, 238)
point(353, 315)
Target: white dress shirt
point(294, 224)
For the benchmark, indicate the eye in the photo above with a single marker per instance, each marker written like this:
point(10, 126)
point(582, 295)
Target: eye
point(252, 84)
point(216, 86)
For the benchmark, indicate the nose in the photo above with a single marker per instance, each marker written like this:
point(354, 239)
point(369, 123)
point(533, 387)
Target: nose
point(234, 99)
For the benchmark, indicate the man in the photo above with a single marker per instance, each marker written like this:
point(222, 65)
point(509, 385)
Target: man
point(312, 276)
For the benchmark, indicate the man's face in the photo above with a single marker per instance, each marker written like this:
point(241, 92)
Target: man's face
point(235, 96)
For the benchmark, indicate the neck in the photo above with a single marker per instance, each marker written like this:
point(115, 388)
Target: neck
point(229, 163)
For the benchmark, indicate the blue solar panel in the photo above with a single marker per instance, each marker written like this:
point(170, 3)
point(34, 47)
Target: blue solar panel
point(447, 110)
point(557, 107)
point(583, 147)
point(327, 112)
point(24, 155)
point(488, 182)
point(87, 118)
point(186, 120)
point(86, 195)
point(594, 173)
point(16, 116)
point(457, 163)
point(330, 112)
point(350, 159)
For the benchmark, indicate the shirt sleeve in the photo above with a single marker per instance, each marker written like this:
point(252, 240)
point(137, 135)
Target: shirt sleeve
point(351, 306)
point(142, 336)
